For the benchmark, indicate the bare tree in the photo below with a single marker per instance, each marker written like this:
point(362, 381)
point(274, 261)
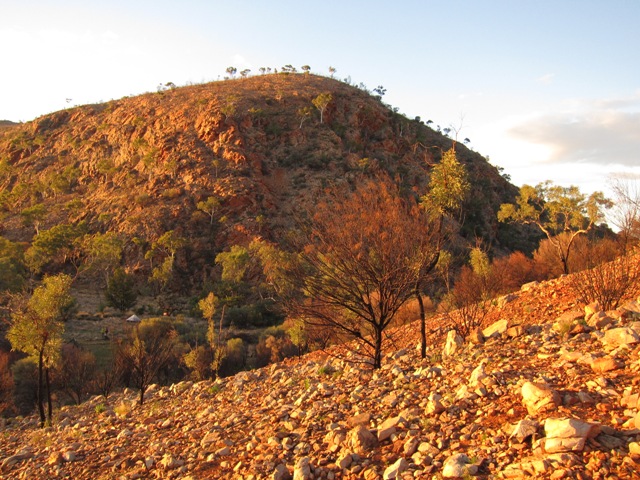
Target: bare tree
point(626, 212)
point(361, 256)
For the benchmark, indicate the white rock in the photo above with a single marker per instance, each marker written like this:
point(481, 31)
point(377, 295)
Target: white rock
point(496, 328)
point(457, 466)
point(302, 470)
point(453, 343)
point(396, 469)
point(567, 434)
point(538, 397)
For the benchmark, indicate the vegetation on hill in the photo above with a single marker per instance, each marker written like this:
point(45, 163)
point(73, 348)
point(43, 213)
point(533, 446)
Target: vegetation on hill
point(187, 206)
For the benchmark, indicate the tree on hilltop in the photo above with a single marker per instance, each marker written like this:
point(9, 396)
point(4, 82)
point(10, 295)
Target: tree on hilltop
point(321, 102)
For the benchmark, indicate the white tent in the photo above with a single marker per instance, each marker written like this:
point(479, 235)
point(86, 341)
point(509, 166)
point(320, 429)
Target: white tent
point(133, 319)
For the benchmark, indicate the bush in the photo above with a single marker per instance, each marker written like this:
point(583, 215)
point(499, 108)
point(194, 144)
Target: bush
point(25, 385)
point(235, 357)
point(469, 302)
point(514, 271)
point(607, 282)
point(274, 346)
point(546, 260)
point(77, 370)
point(6, 385)
point(121, 293)
point(198, 361)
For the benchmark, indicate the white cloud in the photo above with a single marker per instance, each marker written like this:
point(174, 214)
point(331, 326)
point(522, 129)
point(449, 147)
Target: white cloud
point(604, 132)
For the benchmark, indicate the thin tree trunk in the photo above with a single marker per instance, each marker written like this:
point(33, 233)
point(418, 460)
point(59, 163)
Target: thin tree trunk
point(39, 391)
point(49, 405)
point(423, 325)
point(377, 357)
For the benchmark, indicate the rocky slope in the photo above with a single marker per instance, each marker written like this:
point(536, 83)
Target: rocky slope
point(549, 390)
point(139, 166)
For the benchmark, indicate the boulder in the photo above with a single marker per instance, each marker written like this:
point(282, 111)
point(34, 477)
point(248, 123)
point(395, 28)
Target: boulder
point(567, 434)
point(302, 469)
point(360, 440)
point(616, 337)
point(496, 329)
point(458, 465)
point(538, 397)
point(395, 470)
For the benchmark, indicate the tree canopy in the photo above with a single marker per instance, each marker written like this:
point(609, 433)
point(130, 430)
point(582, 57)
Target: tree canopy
point(37, 328)
point(561, 213)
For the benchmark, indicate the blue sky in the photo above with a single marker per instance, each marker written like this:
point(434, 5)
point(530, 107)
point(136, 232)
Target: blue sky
point(545, 89)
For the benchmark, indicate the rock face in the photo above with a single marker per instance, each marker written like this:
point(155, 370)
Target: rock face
point(530, 406)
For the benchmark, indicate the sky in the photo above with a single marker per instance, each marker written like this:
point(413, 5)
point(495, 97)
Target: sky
point(547, 90)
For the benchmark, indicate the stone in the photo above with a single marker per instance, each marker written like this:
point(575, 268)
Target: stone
point(394, 471)
point(69, 456)
point(591, 309)
point(302, 469)
point(388, 428)
point(616, 337)
point(567, 434)
point(524, 429)
point(599, 320)
point(360, 440)
point(604, 364)
point(170, 462)
point(280, 473)
point(361, 419)
point(458, 465)
point(452, 344)
point(478, 375)
point(434, 405)
point(344, 460)
point(539, 397)
point(496, 329)
point(515, 331)
point(475, 336)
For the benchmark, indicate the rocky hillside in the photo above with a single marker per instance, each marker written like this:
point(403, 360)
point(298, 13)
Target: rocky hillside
point(550, 390)
point(139, 166)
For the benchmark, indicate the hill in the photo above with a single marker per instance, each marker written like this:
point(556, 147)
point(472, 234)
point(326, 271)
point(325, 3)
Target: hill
point(552, 393)
point(140, 166)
